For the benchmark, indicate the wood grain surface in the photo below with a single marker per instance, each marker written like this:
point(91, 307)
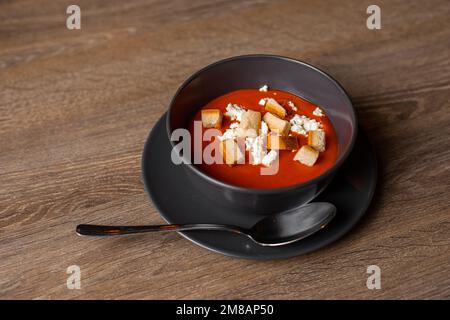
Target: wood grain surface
point(76, 107)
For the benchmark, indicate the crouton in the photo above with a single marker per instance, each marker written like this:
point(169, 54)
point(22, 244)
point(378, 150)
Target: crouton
point(316, 139)
point(251, 120)
point(276, 124)
point(231, 152)
point(275, 108)
point(212, 118)
point(250, 124)
point(307, 155)
point(277, 142)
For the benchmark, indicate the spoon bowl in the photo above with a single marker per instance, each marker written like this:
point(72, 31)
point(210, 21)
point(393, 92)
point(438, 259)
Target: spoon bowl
point(293, 225)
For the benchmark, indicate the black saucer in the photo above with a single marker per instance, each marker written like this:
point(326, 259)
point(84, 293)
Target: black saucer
point(178, 202)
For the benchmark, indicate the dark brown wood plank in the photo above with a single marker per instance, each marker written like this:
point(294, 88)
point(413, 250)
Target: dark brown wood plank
point(76, 108)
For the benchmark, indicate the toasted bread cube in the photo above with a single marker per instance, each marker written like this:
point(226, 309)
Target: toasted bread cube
point(307, 155)
point(231, 152)
point(250, 124)
point(251, 120)
point(212, 118)
point(277, 142)
point(316, 139)
point(276, 124)
point(275, 108)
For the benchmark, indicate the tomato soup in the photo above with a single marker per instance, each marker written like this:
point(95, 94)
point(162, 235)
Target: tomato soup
point(290, 172)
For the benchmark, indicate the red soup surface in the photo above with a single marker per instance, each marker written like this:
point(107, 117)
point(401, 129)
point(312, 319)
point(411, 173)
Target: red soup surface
point(290, 172)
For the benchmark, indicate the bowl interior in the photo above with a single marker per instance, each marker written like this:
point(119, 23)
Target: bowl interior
point(277, 72)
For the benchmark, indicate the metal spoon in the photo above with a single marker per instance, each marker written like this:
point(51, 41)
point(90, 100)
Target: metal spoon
point(275, 230)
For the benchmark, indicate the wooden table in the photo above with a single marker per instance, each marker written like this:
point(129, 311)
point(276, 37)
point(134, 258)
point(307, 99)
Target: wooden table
point(76, 107)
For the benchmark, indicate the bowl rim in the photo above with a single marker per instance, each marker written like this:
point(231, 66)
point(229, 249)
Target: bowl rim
point(341, 159)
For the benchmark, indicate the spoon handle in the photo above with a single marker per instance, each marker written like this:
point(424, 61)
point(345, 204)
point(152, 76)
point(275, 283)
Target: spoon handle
point(97, 230)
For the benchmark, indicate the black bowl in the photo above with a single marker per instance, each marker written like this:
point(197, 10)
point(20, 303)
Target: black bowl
point(252, 71)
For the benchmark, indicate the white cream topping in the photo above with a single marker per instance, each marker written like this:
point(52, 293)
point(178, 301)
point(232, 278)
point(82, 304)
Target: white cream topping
point(234, 125)
point(256, 148)
point(234, 111)
point(228, 134)
point(318, 112)
point(264, 88)
point(264, 128)
point(255, 145)
point(292, 105)
point(302, 124)
point(269, 158)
